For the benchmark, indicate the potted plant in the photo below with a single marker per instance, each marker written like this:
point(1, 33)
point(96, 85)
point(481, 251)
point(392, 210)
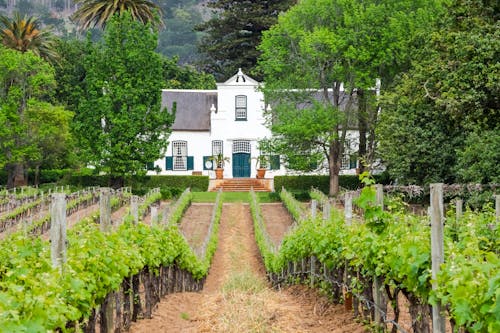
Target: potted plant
point(219, 161)
point(262, 163)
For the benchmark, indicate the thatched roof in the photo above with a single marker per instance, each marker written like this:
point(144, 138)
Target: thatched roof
point(193, 108)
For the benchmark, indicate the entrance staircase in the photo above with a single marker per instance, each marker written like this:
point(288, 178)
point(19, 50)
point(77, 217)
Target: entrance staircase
point(241, 185)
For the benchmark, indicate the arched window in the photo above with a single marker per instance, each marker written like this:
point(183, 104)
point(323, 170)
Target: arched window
point(179, 154)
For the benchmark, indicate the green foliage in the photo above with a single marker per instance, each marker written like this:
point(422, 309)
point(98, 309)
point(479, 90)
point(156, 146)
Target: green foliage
point(266, 247)
point(120, 123)
point(185, 77)
point(400, 255)
point(448, 95)
point(34, 131)
point(325, 45)
point(233, 33)
point(296, 209)
point(91, 13)
point(96, 264)
point(478, 161)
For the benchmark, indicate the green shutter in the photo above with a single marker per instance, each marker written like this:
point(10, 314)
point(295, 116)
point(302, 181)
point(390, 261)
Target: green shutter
point(275, 162)
point(353, 162)
point(150, 166)
point(190, 162)
point(169, 163)
point(205, 159)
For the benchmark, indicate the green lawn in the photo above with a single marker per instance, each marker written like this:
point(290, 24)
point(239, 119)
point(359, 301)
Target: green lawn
point(235, 197)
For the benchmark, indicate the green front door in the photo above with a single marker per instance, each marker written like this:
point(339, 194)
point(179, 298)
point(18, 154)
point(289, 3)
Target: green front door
point(241, 165)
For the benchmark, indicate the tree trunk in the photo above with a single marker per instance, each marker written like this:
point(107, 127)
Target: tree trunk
point(362, 128)
point(334, 159)
point(419, 313)
point(16, 176)
point(116, 182)
point(37, 176)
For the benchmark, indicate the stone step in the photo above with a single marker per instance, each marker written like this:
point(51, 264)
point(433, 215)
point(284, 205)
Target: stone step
point(240, 185)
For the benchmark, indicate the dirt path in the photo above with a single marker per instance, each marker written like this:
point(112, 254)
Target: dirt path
point(237, 298)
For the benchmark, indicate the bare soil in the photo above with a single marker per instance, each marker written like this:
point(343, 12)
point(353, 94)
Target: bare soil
point(194, 224)
point(237, 298)
point(277, 220)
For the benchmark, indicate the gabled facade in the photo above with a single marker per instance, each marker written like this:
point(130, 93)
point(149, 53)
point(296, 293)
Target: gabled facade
point(227, 121)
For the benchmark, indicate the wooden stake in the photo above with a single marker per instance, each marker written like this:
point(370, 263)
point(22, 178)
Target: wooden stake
point(58, 229)
point(437, 250)
point(105, 209)
point(154, 215)
point(348, 208)
point(326, 210)
point(379, 188)
point(314, 205)
point(134, 208)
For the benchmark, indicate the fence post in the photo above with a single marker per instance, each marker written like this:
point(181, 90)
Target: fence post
point(105, 209)
point(437, 249)
point(314, 207)
point(134, 208)
point(348, 208)
point(58, 229)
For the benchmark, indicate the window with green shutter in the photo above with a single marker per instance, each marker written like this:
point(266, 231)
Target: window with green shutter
point(274, 162)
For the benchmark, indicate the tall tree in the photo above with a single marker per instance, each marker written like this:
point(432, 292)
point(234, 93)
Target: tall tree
point(120, 123)
point(233, 34)
point(97, 13)
point(327, 45)
point(451, 92)
point(27, 121)
point(25, 34)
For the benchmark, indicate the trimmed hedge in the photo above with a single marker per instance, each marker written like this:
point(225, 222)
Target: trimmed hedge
point(45, 176)
point(304, 183)
point(140, 183)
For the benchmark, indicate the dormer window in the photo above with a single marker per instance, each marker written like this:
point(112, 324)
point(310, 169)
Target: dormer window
point(241, 108)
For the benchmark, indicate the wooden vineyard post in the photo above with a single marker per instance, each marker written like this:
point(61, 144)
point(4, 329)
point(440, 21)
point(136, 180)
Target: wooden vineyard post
point(58, 229)
point(458, 209)
point(314, 207)
point(497, 208)
point(379, 296)
point(437, 250)
point(313, 271)
point(105, 210)
point(106, 311)
point(379, 188)
point(134, 208)
point(326, 210)
point(154, 215)
point(348, 208)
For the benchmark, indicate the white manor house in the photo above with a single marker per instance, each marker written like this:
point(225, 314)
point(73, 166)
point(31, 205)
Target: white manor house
point(227, 121)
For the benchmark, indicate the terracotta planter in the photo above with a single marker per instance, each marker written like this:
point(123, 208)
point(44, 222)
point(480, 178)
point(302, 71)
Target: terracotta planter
point(219, 173)
point(261, 173)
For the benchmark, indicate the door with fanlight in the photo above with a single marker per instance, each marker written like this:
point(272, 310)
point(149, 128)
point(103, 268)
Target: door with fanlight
point(241, 159)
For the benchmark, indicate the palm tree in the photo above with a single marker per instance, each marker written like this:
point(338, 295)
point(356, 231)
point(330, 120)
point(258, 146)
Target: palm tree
point(95, 13)
point(24, 34)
